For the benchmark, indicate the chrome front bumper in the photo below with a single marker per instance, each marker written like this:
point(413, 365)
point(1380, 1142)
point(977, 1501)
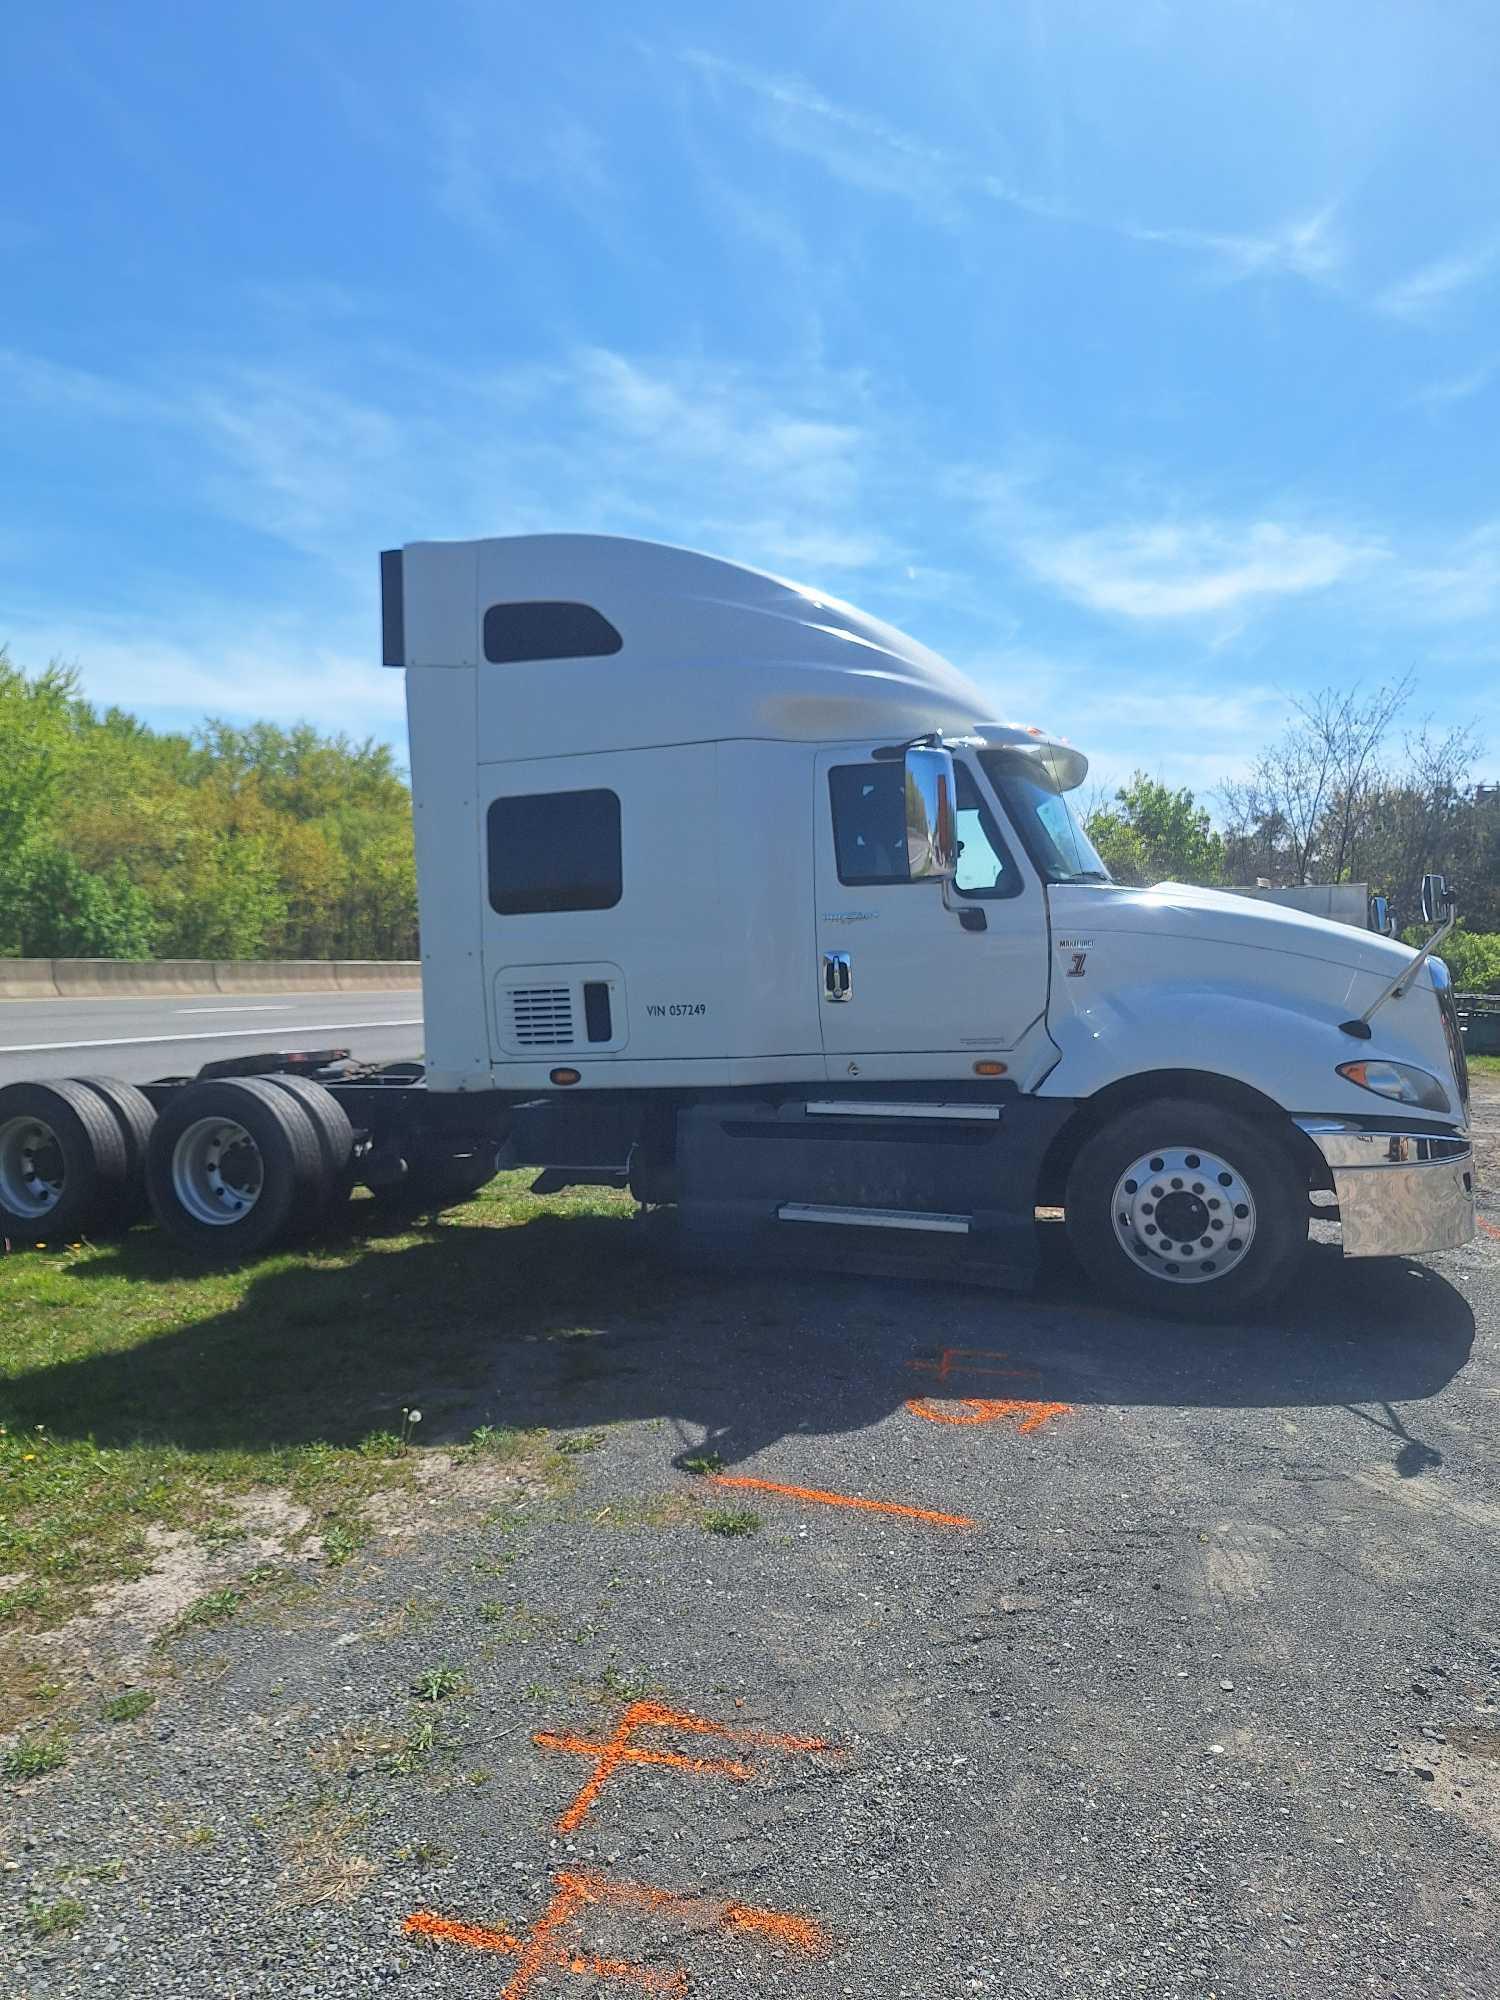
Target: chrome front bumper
point(1399, 1194)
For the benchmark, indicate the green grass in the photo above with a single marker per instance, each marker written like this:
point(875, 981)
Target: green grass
point(47, 1919)
point(217, 1608)
point(139, 1390)
point(1484, 1065)
point(126, 1707)
point(730, 1521)
point(703, 1462)
point(438, 1683)
point(33, 1756)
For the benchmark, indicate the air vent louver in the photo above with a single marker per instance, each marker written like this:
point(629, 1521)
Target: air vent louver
point(542, 1016)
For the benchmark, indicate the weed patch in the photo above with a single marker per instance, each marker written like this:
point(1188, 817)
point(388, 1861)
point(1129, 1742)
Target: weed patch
point(730, 1521)
point(48, 1919)
point(126, 1707)
point(33, 1756)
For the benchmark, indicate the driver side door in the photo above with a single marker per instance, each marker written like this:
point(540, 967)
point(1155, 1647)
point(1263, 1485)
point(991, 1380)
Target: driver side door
point(905, 989)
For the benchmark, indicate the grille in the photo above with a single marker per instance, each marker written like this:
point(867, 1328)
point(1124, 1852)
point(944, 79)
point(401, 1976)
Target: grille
point(542, 1016)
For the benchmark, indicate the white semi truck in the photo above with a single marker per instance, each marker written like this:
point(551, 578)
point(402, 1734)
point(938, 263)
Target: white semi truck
point(734, 896)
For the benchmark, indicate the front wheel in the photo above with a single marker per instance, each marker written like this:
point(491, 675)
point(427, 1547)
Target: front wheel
point(1187, 1209)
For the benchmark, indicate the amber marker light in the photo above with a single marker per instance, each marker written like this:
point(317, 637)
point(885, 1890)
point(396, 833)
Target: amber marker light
point(565, 1076)
point(989, 1069)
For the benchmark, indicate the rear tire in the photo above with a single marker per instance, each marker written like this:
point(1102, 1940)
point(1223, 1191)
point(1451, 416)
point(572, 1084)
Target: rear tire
point(63, 1165)
point(330, 1121)
point(234, 1167)
point(135, 1115)
point(1188, 1209)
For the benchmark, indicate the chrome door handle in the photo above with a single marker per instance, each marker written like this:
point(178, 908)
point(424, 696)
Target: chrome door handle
point(838, 981)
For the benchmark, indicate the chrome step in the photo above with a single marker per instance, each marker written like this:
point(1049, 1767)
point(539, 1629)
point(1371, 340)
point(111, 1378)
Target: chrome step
point(874, 1218)
point(869, 1107)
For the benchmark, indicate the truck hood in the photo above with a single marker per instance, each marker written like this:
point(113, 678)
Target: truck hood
point(1179, 911)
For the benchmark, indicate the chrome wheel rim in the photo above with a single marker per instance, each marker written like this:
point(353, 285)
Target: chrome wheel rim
point(217, 1171)
point(1184, 1215)
point(32, 1174)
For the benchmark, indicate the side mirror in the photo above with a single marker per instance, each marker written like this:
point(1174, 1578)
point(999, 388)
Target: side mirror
point(1379, 918)
point(1434, 899)
point(931, 816)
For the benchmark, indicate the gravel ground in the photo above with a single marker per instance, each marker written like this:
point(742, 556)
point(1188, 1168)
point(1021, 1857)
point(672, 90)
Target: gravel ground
point(1206, 1702)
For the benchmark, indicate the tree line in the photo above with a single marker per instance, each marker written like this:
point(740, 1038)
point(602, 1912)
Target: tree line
point(1344, 794)
point(120, 841)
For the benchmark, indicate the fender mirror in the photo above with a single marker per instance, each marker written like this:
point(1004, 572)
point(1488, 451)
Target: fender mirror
point(1380, 916)
point(1435, 899)
point(931, 816)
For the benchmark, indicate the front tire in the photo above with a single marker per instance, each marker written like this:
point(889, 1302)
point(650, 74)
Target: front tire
point(1187, 1209)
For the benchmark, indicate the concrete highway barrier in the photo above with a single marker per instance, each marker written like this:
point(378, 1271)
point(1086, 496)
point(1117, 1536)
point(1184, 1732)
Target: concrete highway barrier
point(101, 978)
point(371, 975)
point(293, 975)
point(27, 979)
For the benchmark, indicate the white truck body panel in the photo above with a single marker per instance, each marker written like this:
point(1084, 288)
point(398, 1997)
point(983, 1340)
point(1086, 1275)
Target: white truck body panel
point(713, 701)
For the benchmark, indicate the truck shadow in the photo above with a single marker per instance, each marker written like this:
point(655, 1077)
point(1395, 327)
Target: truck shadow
point(577, 1321)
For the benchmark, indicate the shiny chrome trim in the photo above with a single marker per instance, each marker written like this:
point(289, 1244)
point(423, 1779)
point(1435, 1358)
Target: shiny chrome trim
point(1400, 1194)
point(1350, 1146)
point(874, 1218)
point(856, 1107)
point(838, 977)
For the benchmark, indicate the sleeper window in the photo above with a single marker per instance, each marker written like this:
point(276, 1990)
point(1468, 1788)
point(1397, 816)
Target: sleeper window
point(554, 851)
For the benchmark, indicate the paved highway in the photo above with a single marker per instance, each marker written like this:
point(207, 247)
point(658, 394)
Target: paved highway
point(175, 1034)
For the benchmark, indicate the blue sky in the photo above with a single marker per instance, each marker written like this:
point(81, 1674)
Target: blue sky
point(1142, 355)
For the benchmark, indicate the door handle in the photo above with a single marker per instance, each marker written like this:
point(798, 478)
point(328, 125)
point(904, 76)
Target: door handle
point(838, 981)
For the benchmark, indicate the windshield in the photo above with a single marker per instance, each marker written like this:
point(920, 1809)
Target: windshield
point(1043, 815)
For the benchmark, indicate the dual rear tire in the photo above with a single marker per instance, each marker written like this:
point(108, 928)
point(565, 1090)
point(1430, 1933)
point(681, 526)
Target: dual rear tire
point(72, 1158)
point(239, 1164)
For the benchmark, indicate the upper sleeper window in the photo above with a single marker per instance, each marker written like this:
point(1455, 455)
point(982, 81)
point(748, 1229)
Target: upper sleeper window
point(547, 632)
point(554, 851)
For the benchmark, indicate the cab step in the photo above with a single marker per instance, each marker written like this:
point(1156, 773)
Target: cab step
point(875, 1218)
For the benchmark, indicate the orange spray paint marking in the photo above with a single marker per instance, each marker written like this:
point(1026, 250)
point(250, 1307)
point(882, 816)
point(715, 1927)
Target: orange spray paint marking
point(845, 1500)
point(1488, 1227)
point(968, 1359)
point(542, 1948)
point(619, 1749)
point(988, 1410)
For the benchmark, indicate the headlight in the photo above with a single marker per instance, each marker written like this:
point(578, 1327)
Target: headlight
point(1398, 1080)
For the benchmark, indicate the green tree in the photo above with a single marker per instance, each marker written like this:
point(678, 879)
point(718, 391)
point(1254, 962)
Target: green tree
point(67, 911)
point(1153, 834)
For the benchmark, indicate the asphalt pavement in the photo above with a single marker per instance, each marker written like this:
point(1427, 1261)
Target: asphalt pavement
point(1175, 1670)
point(139, 1039)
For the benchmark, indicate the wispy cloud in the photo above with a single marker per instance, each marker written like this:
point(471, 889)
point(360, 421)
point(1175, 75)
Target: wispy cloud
point(1464, 586)
point(1456, 388)
point(862, 151)
point(1429, 292)
point(1306, 247)
point(32, 381)
point(1201, 569)
point(876, 157)
point(184, 663)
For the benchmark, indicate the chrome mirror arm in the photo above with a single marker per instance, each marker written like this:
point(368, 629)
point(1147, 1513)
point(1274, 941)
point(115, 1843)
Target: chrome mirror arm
point(1402, 982)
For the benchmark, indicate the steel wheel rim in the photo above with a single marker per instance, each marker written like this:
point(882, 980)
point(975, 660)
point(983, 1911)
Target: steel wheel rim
point(32, 1174)
point(1184, 1215)
point(217, 1172)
